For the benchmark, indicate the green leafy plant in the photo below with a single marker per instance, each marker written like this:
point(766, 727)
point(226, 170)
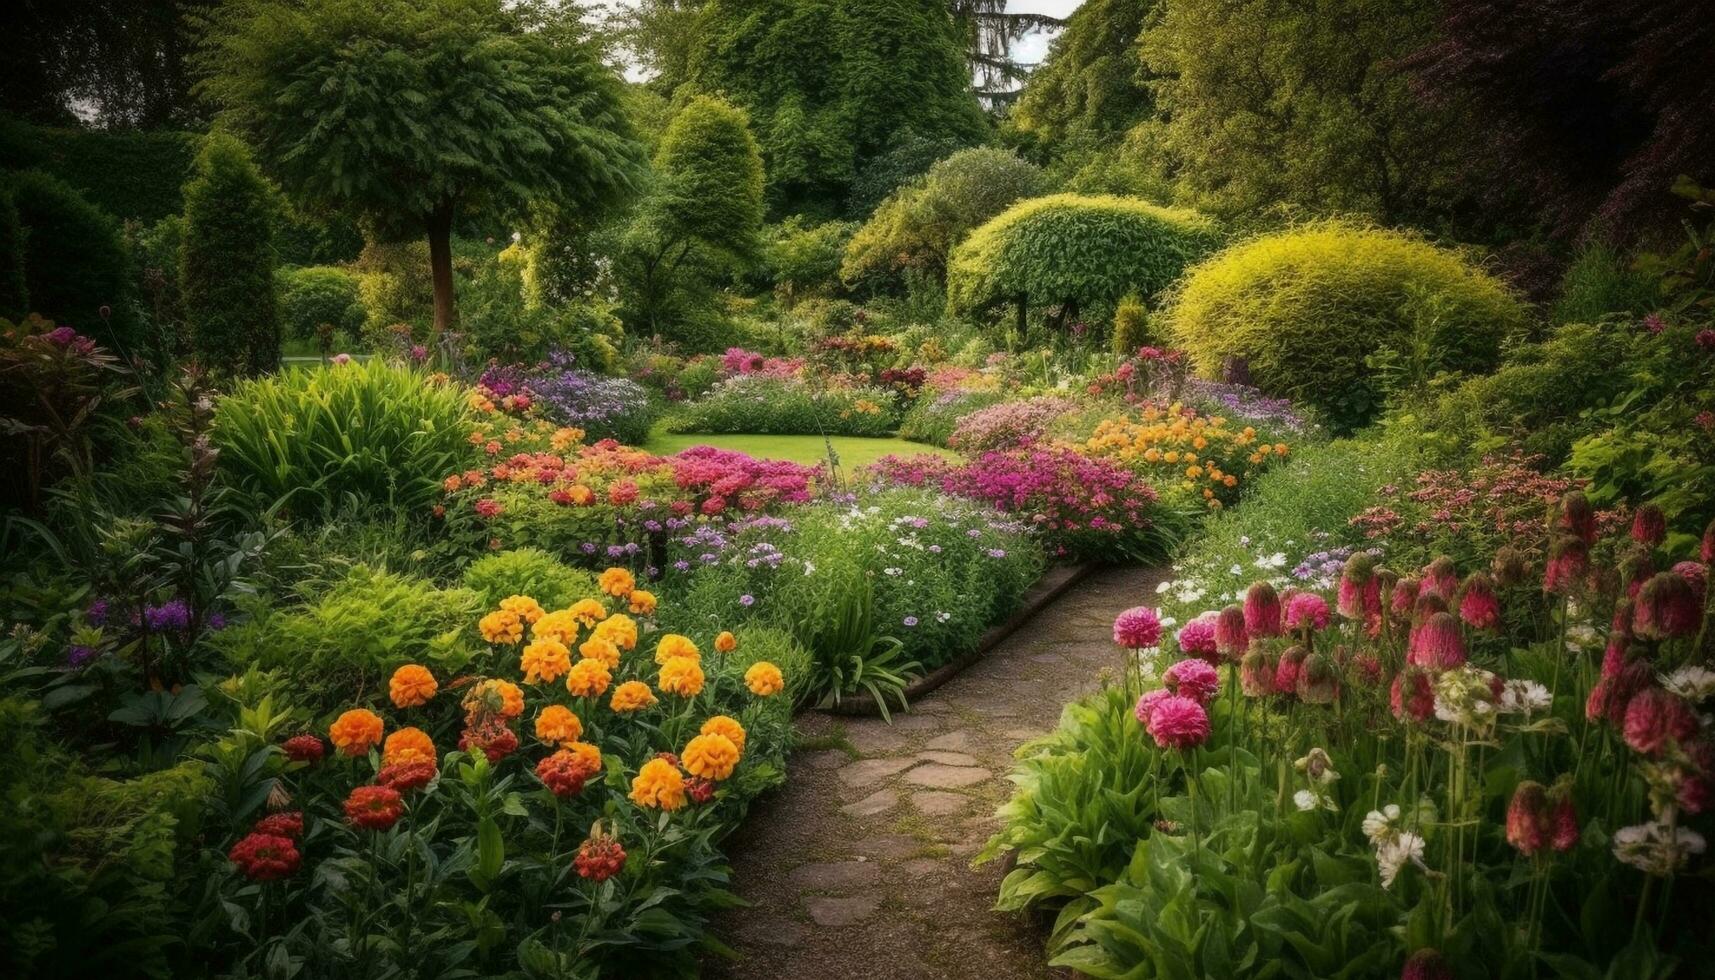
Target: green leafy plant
point(852, 657)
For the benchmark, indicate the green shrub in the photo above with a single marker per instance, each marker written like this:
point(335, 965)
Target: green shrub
point(1313, 310)
point(316, 295)
point(1077, 250)
point(226, 262)
point(14, 294)
point(132, 174)
point(155, 251)
point(778, 647)
point(350, 638)
point(803, 259)
point(74, 261)
point(1131, 325)
point(934, 416)
point(394, 283)
point(321, 438)
point(1599, 282)
point(787, 406)
point(528, 571)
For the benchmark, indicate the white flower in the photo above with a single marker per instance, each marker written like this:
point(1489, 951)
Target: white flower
point(1305, 799)
point(1395, 854)
point(1236, 570)
point(1656, 848)
point(1378, 825)
point(1691, 682)
point(1163, 587)
point(1524, 696)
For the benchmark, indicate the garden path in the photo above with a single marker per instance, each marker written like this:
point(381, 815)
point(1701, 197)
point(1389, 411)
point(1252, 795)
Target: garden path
point(861, 865)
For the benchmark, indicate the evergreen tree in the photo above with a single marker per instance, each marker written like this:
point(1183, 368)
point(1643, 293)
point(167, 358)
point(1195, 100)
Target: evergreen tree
point(226, 262)
point(1090, 89)
point(411, 113)
point(14, 294)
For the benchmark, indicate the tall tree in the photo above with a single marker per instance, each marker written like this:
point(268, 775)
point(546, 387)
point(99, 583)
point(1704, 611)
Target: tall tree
point(1595, 105)
point(411, 113)
point(226, 260)
point(990, 31)
point(828, 83)
point(704, 213)
point(1090, 88)
point(659, 36)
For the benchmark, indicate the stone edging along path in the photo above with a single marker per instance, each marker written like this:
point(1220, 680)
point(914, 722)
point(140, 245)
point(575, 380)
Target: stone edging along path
point(860, 865)
point(1052, 585)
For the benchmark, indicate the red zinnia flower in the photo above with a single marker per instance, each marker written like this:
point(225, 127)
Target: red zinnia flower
point(1286, 671)
point(1441, 578)
point(305, 748)
point(1416, 703)
point(599, 857)
point(407, 776)
point(374, 807)
point(265, 857)
point(1360, 591)
point(288, 824)
point(1568, 560)
point(1404, 597)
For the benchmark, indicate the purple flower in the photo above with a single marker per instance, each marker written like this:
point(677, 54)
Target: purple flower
point(911, 621)
point(747, 600)
point(79, 655)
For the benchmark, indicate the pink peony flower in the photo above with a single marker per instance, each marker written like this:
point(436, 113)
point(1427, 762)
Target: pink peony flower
point(1568, 560)
point(1653, 717)
point(1441, 578)
point(1306, 611)
point(1256, 674)
point(1137, 628)
point(1666, 608)
point(1146, 704)
point(1231, 639)
point(1194, 679)
point(1438, 644)
point(1563, 821)
point(1178, 723)
point(1317, 682)
point(1527, 818)
point(1197, 637)
point(1286, 671)
point(1412, 697)
point(1478, 606)
point(1404, 597)
point(1696, 575)
point(1262, 610)
point(1649, 526)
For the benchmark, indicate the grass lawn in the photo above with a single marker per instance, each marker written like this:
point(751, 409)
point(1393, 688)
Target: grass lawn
point(854, 451)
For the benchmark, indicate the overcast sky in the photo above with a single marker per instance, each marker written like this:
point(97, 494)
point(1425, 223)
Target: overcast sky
point(1031, 49)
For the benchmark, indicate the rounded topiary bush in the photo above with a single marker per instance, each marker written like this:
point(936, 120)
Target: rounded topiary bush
point(1338, 315)
point(316, 296)
point(1075, 249)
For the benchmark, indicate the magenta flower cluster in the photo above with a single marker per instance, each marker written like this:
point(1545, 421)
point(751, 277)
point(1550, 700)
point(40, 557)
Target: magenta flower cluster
point(1009, 425)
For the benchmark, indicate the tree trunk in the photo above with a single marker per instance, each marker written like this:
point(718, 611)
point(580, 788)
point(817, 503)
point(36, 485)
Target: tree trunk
point(440, 226)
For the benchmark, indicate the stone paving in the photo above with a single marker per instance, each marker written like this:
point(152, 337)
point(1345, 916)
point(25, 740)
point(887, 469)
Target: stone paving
point(861, 865)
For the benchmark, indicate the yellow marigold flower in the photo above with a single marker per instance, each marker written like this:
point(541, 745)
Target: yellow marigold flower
point(725, 725)
point(620, 630)
point(452, 483)
point(617, 582)
point(408, 745)
point(589, 678)
point(631, 696)
point(710, 756)
point(602, 649)
point(501, 626)
point(355, 731)
point(1230, 480)
point(673, 645)
point(558, 625)
point(563, 438)
point(658, 784)
point(545, 660)
point(511, 697)
point(558, 725)
point(1193, 471)
point(580, 495)
point(1280, 449)
point(726, 642)
point(526, 608)
point(411, 686)
point(643, 602)
point(764, 679)
point(587, 611)
point(682, 676)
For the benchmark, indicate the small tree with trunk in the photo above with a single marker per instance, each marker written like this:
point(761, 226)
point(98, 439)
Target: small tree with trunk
point(411, 114)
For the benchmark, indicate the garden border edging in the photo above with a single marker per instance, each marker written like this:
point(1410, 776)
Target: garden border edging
point(1051, 586)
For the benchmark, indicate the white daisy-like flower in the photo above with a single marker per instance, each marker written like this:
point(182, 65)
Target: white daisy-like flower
point(1690, 682)
point(1378, 825)
point(1525, 697)
point(1163, 587)
point(1304, 799)
point(1656, 848)
point(1236, 570)
point(1394, 855)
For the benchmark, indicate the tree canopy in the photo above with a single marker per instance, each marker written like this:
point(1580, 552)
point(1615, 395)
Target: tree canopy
point(1091, 87)
point(410, 113)
point(827, 84)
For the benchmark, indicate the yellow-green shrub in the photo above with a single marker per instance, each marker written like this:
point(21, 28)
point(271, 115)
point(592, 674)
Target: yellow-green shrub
point(1075, 248)
point(1312, 309)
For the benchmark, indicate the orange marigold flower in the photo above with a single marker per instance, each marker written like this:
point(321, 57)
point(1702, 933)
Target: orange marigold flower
point(674, 646)
point(407, 776)
point(711, 757)
point(491, 737)
point(511, 698)
point(408, 745)
point(563, 773)
point(374, 807)
point(658, 784)
point(523, 606)
point(412, 685)
point(600, 648)
point(587, 611)
point(589, 678)
point(544, 660)
point(599, 857)
point(682, 676)
point(725, 725)
point(764, 679)
point(726, 642)
point(501, 626)
point(617, 582)
point(557, 725)
point(631, 696)
point(355, 731)
point(620, 630)
point(643, 602)
point(558, 625)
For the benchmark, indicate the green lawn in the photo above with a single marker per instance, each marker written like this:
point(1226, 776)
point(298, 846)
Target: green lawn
point(854, 451)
